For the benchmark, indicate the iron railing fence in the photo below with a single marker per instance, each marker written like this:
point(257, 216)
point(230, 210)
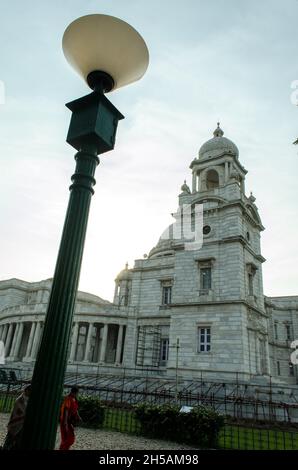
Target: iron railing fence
point(239, 432)
point(232, 400)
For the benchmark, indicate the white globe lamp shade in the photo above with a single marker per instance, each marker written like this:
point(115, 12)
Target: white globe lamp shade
point(107, 44)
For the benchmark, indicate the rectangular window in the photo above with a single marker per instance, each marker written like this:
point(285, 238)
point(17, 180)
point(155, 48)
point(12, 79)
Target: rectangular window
point(205, 278)
point(250, 284)
point(275, 331)
point(204, 339)
point(278, 367)
point(166, 295)
point(164, 350)
point(291, 369)
point(288, 331)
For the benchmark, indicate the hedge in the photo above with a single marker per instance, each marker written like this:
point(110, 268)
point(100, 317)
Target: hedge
point(91, 411)
point(200, 426)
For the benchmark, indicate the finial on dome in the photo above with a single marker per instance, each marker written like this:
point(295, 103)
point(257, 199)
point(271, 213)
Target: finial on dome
point(251, 197)
point(126, 266)
point(218, 131)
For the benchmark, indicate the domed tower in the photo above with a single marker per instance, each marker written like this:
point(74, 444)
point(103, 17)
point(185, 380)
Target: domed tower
point(217, 165)
point(208, 295)
point(123, 287)
point(224, 276)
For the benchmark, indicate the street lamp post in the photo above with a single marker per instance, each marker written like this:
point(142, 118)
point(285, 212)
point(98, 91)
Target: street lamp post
point(109, 54)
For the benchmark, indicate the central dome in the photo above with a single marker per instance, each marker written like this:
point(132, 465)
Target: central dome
point(218, 145)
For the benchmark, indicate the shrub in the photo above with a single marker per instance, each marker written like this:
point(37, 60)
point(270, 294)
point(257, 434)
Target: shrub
point(200, 426)
point(91, 411)
point(158, 420)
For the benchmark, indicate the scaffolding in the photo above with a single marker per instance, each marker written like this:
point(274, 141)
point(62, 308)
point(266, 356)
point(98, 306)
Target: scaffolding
point(148, 347)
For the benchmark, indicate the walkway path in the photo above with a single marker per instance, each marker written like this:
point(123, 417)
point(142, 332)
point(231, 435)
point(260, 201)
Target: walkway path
point(90, 439)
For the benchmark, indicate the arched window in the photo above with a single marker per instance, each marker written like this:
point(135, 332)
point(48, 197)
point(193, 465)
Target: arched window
point(212, 179)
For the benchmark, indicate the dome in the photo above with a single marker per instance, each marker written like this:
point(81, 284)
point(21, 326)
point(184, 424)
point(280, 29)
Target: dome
point(218, 145)
point(125, 274)
point(165, 242)
point(172, 235)
point(163, 247)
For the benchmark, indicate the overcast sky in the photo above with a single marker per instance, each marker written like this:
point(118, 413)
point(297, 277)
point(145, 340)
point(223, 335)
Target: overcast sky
point(227, 60)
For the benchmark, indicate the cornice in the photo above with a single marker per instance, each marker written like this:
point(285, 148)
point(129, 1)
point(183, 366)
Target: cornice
point(153, 268)
point(220, 302)
point(197, 162)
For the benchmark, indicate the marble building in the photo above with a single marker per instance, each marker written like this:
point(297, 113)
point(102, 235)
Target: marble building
point(199, 310)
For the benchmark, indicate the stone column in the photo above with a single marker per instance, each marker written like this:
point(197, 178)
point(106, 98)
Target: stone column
point(36, 340)
point(194, 182)
point(242, 186)
point(74, 342)
point(19, 339)
point(116, 290)
point(256, 353)
point(267, 357)
point(4, 332)
point(1, 332)
point(88, 342)
point(104, 343)
point(226, 171)
point(119, 344)
point(8, 339)
point(230, 168)
point(15, 335)
point(30, 341)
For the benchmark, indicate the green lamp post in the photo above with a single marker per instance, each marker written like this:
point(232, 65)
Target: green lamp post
point(109, 54)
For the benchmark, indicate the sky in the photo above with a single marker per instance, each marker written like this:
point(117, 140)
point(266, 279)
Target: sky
point(231, 61)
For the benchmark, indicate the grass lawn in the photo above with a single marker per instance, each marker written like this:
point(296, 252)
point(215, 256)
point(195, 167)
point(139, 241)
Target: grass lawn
point(250, 438)
point(231, 437)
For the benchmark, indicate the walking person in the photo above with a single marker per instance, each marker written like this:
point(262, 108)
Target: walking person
point(16, 421)
point(69, 417)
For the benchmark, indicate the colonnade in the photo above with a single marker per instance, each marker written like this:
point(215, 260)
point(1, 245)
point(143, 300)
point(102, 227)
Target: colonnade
point(21, 339)
point(91, 341)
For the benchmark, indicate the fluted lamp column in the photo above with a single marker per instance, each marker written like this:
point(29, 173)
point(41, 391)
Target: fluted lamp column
point(108, 53)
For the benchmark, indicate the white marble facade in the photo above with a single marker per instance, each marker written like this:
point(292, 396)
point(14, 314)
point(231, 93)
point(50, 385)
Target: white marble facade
point(98, 329)
point(198, 311)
